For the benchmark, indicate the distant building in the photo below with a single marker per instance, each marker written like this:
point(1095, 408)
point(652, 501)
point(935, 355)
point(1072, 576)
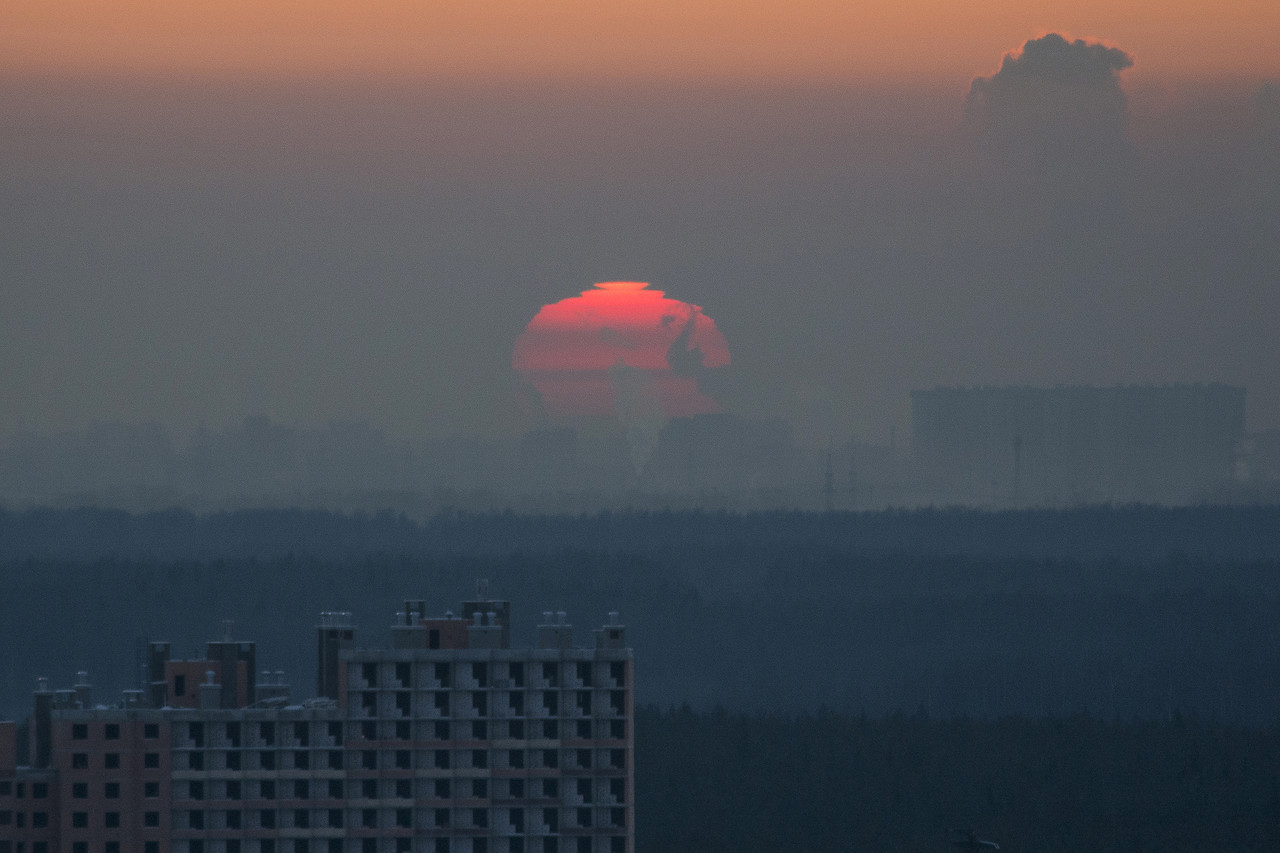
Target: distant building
point(448, 742)
point(724, 454)
point(1075, 444)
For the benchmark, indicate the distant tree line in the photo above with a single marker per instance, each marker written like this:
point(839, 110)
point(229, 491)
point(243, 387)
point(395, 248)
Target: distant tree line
point(1122, 612)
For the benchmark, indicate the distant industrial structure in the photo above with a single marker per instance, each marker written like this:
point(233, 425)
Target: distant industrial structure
point(1076, 444)
point(448, 742)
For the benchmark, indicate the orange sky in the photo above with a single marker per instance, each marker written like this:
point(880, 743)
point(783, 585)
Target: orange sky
point(699, 39)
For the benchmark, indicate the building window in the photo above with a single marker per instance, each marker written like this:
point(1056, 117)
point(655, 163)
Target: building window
point(369, 789)
point(267, 732)
point(301, 818)
point(79, 820)
point(79, 761)
point(112, 731)
point(196, 790)
point(39, 820)
point(79, 731)
point(39, 790)
point(301, 760)
point(80, 847)
point(480, 788)
point(233, 761)
point(267, 788)
point(335, 789)
point(301, 790)
point(267, 819)
point(151, 847)
point(369, 759)
point(442, 789)
point(150, 789)
point(516, 786)
point(112, 820)
point(335, 759)
point(233, 820)
point(335, 818)
point(197, 820)
point(6, 817)
point(402, 730)
point(404, 818)
point(442, 817)
point(267, 760)
point(442, 759)
point(151, 731)
point(195, 760)
point(402, 759)
point(80, 790)
point(233, 790)
point(151, 818)
point(151, 760)
point(179, 685)
point(112, 790)
point(369, 817)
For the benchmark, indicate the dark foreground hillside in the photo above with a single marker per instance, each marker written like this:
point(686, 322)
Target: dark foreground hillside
point(828, 783)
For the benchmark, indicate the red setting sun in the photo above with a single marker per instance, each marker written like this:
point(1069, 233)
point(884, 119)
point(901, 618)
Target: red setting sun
point(620, 349)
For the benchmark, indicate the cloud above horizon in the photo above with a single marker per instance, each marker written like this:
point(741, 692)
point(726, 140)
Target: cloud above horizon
point(1053, 98)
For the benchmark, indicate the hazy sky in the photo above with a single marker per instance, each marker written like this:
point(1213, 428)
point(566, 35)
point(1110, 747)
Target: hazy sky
point(214, 208)
point(755, 39)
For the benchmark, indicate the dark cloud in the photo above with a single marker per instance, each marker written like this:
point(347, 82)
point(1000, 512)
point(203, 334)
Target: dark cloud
point(1267, 105)
point(1056, 98)
point(683, 357)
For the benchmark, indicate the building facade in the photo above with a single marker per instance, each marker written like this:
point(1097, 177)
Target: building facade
point(449, 741)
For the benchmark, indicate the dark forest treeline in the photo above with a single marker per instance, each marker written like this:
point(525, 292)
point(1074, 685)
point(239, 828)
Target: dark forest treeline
point(977, 616)
point(822, 782)
point(1140, 533)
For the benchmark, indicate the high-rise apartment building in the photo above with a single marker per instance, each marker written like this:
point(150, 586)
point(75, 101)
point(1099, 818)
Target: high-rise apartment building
point(449, 741)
